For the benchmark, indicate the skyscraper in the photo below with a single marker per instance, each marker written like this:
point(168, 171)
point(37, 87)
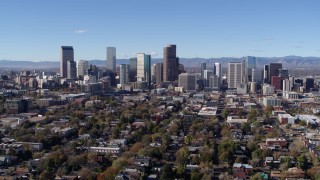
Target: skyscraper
point(256, 75)
point(234, 74)
point(274, 69)
point(188, 81)
point(203, 67)
point(206, 77)
point(284, 73)
point(159, 73)
point(71, 70)
point(144, 68)
point(66, 54)
point(309, 83)
point(218, 72)
point(111, 59)
point(250, 63)
point(133, 69)
point(170, 63)
point(214, 82)
point(82, 67)
point(266, 74)
point(124, 74)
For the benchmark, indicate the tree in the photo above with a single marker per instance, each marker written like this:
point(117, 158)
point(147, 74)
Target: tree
point(87, 174)
point(119, 163)
point(302, 162)
point(256, 177)
point(136, 147)
point(252, 115)
point(246, 127)
point(257, 154)
point(225, 114)
point(166, 172)
point(196, 175)
point(182, 159)
point(226, 149)
point(302, 123)
point(317, 176)
point(109, 174)
point(225, 131)
point(46, 175)
point(182, 156)
point(206, 154)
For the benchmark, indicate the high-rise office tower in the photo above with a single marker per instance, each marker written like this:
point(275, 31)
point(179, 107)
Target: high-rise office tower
point(206, 77)
point(93, 70)
point(66, 54)
point(309, 83)
point(188, 81)
point(218, 72)
point(291, 80)
point(153, 73)
point(249, 64)
point(111, 59)
point(133, 69)
point(284, 73)
point(266, 74)
point(82, 67)
point(286, 85)
point(71, 70)
point(124, 74)
point(276, 81)
point(159, 73)
point(203, 67)
point(170, 63)
point(214, 82)
point(234, 74)
point(144, 68)
point(274, 69)
point(256, 75)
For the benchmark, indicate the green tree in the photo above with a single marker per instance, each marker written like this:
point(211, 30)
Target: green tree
point(252, 115)
point(302, 162)
point(182, 159)
point(226, 149)
point(225, 114)
point(166, 172)
point(196, 175)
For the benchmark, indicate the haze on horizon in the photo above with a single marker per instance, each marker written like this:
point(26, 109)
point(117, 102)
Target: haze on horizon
point(35, 30)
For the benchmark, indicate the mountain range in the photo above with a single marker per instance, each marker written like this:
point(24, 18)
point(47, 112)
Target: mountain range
point(287, 61)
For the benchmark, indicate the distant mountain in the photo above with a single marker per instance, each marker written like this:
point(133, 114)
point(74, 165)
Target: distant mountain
point(287, 61)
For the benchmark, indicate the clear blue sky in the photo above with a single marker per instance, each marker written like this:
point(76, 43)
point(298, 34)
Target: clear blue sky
point(35, 29)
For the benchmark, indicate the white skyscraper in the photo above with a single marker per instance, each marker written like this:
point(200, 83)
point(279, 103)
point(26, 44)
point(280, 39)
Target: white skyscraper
point(218, 72)
point(111, 59)
point(234, 74)
point(82, 67)
point(143, 67)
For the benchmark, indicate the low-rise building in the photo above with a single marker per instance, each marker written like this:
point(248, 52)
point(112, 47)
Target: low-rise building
point(271, 101)
point(107, 150)
point(285, 119)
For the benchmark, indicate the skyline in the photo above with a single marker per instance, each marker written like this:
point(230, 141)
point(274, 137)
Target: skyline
point(209, 29)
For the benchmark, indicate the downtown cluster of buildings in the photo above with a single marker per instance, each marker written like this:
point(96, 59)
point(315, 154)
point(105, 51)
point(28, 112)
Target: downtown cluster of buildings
point(246, 77)
point(141, 73)
point(138, 73)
